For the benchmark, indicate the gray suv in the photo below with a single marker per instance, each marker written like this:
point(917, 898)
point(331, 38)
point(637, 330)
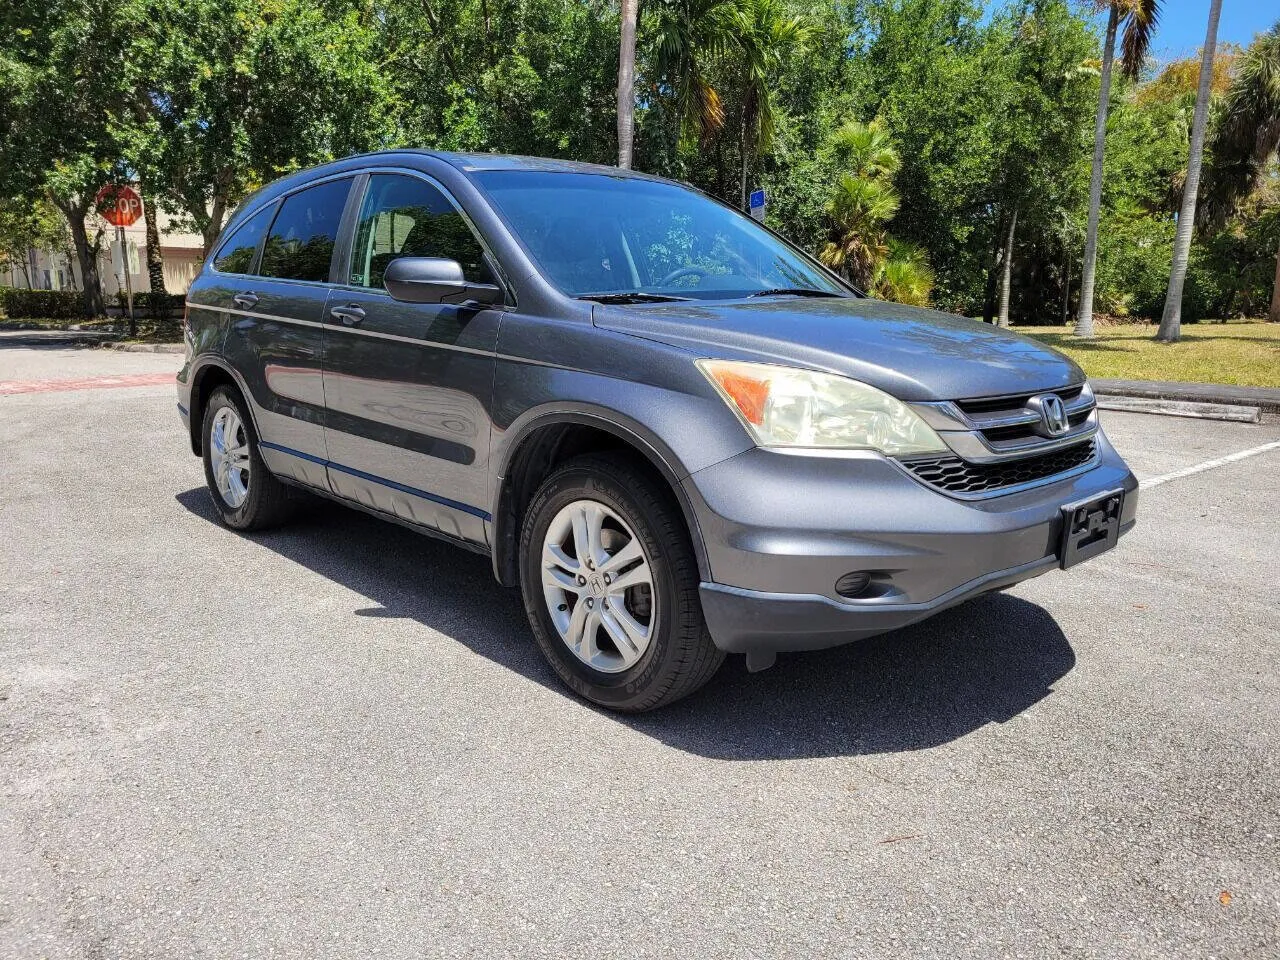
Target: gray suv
point(680, 436)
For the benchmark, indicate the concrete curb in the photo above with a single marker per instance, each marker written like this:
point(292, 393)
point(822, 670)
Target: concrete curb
point(1265, 399)
point(1180, 408)
point(146, 347)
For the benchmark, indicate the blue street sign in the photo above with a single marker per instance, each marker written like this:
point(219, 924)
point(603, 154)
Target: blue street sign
point(756, 204)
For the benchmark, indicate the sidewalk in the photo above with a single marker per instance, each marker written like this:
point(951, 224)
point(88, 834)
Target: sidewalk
point(1264, 398)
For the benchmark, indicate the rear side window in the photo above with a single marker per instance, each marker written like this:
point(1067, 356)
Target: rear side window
point(300, 244)
point(236, 255)
point(407, 217)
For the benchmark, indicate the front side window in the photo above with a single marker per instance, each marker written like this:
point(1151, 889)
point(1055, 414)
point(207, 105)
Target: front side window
point(600, 234)
point(236, 254)
point(300, 244)
point(407, 217)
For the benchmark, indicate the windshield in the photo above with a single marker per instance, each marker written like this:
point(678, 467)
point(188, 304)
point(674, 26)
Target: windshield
point(595, 234)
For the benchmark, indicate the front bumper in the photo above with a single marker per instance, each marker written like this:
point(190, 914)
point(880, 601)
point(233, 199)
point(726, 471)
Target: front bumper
point(780, 530)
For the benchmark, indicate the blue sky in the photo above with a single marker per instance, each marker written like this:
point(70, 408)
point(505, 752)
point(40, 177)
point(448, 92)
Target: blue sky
point(1183, 22)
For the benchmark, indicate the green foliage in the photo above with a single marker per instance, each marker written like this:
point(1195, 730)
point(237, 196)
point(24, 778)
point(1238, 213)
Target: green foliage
point(19, 304)
point(238, 92)
point(25, 225)
point(159, 305)
point(862, 202)
point(990, 104)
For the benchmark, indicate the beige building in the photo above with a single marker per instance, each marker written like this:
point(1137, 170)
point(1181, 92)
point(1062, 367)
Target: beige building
point(181, 252)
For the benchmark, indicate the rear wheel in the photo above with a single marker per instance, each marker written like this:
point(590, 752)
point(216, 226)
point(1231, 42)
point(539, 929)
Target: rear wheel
point(610, 586)
point(245, 493)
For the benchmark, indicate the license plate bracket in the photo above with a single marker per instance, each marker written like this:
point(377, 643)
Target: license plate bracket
point(1090, 527)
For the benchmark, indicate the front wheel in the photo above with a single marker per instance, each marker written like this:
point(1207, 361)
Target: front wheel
point(610, 586)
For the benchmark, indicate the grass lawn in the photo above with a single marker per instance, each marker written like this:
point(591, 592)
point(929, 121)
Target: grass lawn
point(1243, 354)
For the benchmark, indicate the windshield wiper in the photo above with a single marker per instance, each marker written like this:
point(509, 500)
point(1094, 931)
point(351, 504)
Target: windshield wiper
point(793, 291)
point(630, 296)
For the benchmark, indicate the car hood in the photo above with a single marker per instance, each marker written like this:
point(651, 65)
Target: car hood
point(910, 353)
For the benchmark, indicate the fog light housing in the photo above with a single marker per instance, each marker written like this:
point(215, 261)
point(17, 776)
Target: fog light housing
point(853, 584)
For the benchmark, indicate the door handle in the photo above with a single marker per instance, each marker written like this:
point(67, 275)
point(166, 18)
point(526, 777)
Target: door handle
point(351, 314)
point(245, 300)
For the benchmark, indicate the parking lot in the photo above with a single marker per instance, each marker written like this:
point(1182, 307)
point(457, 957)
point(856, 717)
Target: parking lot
point(339, 740)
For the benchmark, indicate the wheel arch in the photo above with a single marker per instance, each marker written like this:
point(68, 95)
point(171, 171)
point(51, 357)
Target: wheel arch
point(549, 438)
point(212, 373)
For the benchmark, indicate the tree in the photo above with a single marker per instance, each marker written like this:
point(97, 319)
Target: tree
point(1139, 18)
point(67, 84)
point(155, 265)
point(764, 38)
point(238, 92)
point(688, 36)
point(626, 83)
point(862, 203)
point(1246, 138)
point(1043, 100)
point(27, 226)
point(1171, 321)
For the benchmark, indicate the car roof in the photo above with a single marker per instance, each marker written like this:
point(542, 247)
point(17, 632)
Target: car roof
point(483, 162)
point(466, 163)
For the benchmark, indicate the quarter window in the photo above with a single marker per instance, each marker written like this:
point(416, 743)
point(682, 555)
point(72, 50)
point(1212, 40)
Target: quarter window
point(236, 254)
point(300, 244)
point(408, 217)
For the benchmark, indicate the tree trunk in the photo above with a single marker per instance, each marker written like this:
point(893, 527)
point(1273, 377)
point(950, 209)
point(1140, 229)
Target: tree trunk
point(742, 187)
point(155, 266)
point(1171, 322)
point(87, 255)
point(1066, 284)
point(1084, 317)
point(626, 83)
point(1006, 273)
point(1274, 316)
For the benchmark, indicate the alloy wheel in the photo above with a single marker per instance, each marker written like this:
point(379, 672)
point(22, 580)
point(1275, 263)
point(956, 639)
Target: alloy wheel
point(598, 586)
point(229, 456)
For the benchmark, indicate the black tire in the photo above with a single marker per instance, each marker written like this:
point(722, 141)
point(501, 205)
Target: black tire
point(681, 656)
point(268, 502)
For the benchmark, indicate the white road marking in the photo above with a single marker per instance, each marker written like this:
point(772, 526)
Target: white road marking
point(1208, 465)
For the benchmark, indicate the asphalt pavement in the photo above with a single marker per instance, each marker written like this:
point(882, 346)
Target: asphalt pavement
point(339, 740)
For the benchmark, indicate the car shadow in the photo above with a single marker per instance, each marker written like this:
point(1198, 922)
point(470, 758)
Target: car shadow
point(984, 662)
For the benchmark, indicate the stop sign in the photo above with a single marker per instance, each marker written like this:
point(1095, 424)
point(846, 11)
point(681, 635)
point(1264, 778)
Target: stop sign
point(119, 206)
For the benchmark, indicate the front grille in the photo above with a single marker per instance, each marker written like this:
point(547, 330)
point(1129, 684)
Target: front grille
point(954, 475)
point(987, 415)
point(1000, 405)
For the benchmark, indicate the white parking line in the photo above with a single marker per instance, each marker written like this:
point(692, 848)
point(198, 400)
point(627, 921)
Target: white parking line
point(1208, 465)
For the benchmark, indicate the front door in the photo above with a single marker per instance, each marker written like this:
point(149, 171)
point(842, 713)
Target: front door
point(407, 386)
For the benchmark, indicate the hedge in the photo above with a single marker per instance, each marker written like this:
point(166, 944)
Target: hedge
point(158, 305)
point(19, 304)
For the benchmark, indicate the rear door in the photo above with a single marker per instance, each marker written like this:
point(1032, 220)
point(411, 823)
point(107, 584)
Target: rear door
point(276, 335)
point(407, 386)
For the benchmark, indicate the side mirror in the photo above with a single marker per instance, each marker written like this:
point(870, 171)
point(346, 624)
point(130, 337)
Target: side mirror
point(434, 280)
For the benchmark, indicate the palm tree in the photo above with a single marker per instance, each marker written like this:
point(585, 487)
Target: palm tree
point(688, 36)
point(862, 202)
point(626, 83)
point(906, 276)
point(1139, 19)
point(765, 36)
point(865, 149)
point(1171, 321)
point(1246, 138)
point(858, 210)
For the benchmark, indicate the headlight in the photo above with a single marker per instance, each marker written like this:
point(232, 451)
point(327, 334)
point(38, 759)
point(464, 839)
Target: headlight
point(785, 407)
